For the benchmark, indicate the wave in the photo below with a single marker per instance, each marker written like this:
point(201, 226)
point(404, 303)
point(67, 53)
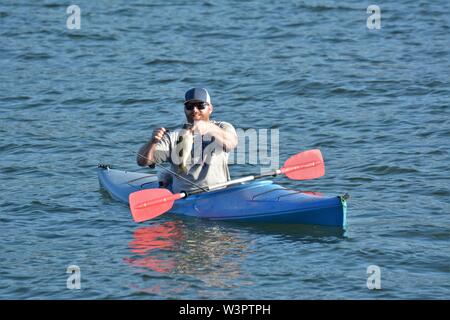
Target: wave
point(163, 61)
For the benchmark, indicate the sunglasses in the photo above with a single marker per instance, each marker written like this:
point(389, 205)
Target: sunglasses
point(198, 105)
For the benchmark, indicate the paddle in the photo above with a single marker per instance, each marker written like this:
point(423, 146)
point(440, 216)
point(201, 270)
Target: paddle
point(150, 203)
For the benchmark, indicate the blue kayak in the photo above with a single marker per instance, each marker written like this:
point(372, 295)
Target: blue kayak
point(256, 201)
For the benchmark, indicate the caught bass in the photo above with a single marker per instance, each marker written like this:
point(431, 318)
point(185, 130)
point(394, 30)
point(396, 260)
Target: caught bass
point(184, 147)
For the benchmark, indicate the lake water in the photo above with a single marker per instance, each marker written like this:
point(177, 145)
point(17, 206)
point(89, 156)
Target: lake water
point(376, 102)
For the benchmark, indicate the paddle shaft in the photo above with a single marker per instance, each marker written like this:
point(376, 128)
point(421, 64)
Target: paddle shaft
point(272, 173)
point(184, 194)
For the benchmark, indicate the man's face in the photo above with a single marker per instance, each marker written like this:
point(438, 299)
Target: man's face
point(197, 110)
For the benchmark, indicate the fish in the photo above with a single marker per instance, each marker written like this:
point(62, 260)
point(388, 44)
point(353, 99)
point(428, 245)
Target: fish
point(184, 148)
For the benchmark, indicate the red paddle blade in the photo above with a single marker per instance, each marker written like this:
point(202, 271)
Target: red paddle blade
point(150, 203)
point(304, 165)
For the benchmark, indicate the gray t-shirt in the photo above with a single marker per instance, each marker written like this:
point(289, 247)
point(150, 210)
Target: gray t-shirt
point(208, 163)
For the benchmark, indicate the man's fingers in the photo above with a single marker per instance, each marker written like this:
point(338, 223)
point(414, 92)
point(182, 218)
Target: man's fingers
point(162, 131)
point(200, 126)
point(158, 134)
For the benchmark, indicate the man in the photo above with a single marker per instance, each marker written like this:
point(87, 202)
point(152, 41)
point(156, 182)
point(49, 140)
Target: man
point(217, 139)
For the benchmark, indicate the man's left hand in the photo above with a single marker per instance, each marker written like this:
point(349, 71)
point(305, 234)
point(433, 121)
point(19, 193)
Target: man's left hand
point(202, 127)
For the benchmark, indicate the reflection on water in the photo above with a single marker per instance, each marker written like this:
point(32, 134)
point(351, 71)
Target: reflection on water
point(149, 243)
point(212, 252)
point(295, 233)
point(195, 248)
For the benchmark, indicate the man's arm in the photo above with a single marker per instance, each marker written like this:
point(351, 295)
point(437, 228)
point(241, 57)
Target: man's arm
point(146, 155)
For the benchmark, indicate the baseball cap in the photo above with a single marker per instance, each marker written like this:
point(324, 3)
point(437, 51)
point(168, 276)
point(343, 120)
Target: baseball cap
point(197, 94)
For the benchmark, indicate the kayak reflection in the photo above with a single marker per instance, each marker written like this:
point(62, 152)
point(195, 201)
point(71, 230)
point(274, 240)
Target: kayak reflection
point(215, 253)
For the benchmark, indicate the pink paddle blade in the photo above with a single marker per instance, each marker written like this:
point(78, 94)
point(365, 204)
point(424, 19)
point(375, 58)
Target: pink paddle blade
point(150, 203)
point(304, 165)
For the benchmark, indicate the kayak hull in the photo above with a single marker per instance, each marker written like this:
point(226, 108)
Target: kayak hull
point(256, 201)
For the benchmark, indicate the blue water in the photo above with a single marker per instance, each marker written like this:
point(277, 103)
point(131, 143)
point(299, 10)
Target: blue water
point(376, 102)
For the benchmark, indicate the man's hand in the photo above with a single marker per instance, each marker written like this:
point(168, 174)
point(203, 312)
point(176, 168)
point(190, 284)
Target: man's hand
point(145, 154)
point(223, 138)
point(202, 127)
point(158, 134)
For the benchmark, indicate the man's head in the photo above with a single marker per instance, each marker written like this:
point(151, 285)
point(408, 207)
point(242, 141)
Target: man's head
point(197, 105)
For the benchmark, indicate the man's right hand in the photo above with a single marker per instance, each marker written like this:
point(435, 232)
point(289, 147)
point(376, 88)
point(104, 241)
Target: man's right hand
point(158, 134)
point(145, 154)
